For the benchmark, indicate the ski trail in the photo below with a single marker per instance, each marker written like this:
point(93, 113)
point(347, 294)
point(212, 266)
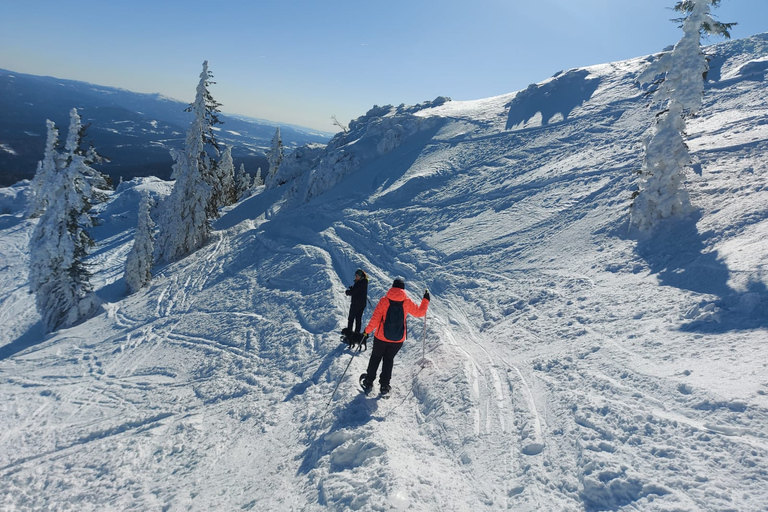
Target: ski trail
point(534, 444)
point(195, 274)
point(94, 383)
point(497, 406)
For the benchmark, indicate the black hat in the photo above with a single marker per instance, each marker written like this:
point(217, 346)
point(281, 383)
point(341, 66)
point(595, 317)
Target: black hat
point(359, 272)
point(399, 283)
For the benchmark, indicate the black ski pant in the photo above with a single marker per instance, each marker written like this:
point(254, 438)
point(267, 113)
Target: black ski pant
point(356, 317)
point(386, 351)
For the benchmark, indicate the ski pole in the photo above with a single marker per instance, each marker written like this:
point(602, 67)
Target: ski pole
point(345, 372)
point(424, 342)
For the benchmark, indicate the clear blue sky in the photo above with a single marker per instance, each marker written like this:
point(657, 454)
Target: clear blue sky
point(301, 61)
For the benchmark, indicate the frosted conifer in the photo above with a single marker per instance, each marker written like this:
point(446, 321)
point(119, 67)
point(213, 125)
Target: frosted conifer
point(661, 193)
point(138, 264)
point(184, 224)
point(226, 176)
point(710, 26)
point(46, 168)
point(258, 181)
point(201, 146)
point(243, 183)
point(275, 158)
point(60, 242)
point(75, 145)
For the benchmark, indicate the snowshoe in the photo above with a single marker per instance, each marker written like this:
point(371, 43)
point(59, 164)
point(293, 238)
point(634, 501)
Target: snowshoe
point(384, 391)
point(364, 384)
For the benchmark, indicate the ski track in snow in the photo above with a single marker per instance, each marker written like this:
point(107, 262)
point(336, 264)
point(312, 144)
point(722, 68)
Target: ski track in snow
point(568, 365)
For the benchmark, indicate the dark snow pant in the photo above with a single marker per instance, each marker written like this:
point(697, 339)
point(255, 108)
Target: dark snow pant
point(356, 317)
point(386, 351)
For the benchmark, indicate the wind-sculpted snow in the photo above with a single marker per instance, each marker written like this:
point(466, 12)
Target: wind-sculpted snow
point(553, 100)
point(567, 363)
point(380, 131)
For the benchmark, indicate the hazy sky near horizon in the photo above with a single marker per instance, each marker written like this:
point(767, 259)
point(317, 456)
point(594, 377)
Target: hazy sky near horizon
point(302, 61)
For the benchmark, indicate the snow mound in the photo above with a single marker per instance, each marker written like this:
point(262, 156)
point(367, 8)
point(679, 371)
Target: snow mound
point(380, 131)
point(13, 199)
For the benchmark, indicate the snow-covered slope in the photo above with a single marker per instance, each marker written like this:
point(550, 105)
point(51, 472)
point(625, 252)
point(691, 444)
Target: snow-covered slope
point(570, 363)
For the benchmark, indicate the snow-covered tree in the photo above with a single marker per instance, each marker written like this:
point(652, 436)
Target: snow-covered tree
point(58, 274)
point(76, 145)
point(711, 26)
point(274, 158)
point(138, 265)
point(258, 181)
point(226, 177)
point(46, 168)
point(202, 148)
point(184, 224)
point(679, 75)
point(243, 181)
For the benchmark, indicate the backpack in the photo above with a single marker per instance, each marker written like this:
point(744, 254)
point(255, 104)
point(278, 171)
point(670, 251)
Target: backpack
point(394, 322)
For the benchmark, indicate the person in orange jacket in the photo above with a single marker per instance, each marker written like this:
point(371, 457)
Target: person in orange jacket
point(389, 324)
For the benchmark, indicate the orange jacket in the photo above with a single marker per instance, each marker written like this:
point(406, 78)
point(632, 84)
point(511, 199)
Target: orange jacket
point(380, 313)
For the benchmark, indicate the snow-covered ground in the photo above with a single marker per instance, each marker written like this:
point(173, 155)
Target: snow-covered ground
point(570, 363)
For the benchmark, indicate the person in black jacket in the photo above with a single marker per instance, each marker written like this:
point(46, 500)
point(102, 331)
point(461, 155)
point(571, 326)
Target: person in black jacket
point(359, 293)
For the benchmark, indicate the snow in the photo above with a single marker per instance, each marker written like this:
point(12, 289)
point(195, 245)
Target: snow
point(8, 149)
point(12, 198)
point(571, 363)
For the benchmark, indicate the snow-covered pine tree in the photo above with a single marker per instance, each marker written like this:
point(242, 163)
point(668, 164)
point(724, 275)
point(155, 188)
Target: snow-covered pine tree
point(258, 181)
point(226, 176)
point(275, 158)
point(243, 181)
point(138, 264)
point(76, 145)
point(46, 168)
point(201, 144)
point(99, 182)
point(60, 242)
point(712, 26)
point(661, 193)
point(184, 224)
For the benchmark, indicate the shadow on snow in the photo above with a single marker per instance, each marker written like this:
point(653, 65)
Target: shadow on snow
point(355, 413)
point(677, 254)
point(558, 96)
point(34, 336)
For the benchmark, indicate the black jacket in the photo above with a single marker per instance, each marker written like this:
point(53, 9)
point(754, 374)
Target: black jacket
point(359, 294)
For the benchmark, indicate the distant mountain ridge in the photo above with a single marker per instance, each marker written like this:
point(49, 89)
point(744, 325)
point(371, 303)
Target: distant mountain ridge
point(134, 130)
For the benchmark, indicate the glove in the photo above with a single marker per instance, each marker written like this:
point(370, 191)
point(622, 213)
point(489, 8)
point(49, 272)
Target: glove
point(349, 291)
point(426, 294)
